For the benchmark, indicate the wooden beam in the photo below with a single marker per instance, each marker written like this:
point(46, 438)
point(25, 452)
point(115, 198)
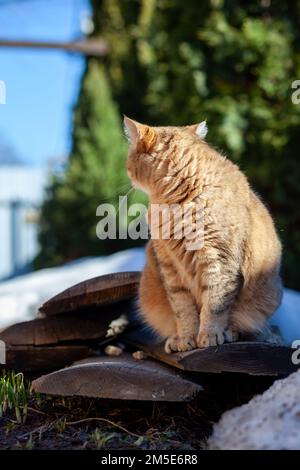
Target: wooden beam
point(91, 47)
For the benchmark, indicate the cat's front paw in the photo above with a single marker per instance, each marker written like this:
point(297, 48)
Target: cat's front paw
point(180, 343)
point(215, 335)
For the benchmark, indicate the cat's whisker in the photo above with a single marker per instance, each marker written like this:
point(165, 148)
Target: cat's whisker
point(117, 192)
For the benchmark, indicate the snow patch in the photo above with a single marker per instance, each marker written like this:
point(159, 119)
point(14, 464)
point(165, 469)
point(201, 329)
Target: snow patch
point(21, 297)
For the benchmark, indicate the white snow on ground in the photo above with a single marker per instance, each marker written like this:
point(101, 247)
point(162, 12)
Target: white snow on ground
point(21, 297)
point(287, 316)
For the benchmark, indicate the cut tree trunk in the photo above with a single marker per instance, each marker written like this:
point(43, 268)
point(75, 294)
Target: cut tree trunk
point(80, 326)
point(119, 378)
point(94, 292)
point(248, 357)
point(34, 359)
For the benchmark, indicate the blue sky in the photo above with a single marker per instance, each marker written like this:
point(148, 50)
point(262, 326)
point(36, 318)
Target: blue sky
point(41, 86)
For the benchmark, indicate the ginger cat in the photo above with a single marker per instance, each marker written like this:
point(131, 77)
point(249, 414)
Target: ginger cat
point(231, 284)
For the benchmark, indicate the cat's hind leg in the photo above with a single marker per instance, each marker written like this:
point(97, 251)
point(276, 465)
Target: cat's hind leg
point(154, 305)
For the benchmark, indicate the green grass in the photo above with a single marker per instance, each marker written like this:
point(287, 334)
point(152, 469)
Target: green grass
point(100, 439)
point(14, 395)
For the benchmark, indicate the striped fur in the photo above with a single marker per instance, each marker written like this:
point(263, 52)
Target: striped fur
point(231, 284)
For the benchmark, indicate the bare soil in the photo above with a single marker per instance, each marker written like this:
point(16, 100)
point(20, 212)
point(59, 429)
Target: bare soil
point(83, 423)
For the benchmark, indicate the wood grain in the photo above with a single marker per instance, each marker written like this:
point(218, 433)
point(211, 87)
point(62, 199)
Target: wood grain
point(119, 378)
point(91, 324)
point(254, 358)
point(33, 359)
point(94, 292)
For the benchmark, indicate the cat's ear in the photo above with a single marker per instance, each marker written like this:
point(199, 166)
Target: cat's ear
point(130, 129)
point(140, 134)
point(200, 129)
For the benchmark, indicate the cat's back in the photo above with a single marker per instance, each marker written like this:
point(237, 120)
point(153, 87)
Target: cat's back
point(220, 172)
point(225, 189)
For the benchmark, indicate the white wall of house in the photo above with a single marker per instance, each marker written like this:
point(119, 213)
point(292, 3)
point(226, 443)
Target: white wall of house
point(21, 193)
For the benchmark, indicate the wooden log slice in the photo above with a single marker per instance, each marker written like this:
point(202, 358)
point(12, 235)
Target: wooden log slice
point(76, 326)
point(97, 291)
point(120, 378)
point(249, 357)
point(33, 359)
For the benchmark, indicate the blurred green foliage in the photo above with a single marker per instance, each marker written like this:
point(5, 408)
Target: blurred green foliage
point(95, 174)
point(179, 62)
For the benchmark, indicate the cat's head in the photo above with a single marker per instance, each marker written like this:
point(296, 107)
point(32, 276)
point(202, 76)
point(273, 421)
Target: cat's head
point(157, 155)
